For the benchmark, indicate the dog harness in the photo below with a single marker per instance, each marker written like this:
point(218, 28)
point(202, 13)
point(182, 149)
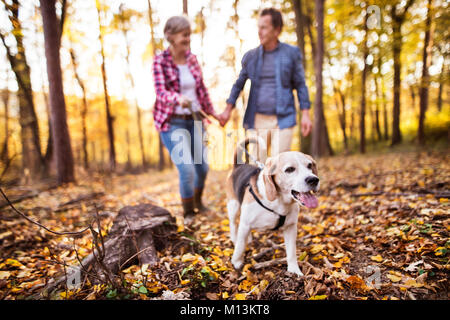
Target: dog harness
point(281, 218)
point(241, 180)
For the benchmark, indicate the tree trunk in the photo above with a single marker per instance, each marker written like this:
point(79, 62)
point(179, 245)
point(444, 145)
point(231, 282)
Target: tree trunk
point(4, 155)
point(441, 89)
point(342, 116)
point(83, 111)
point(109, 117)
point(397, 21)
point(351, 98)
point(362, 116)
point(133, 87)
point(397, 47)
point(320, 141)
point(185, 7)
point(32, 160)
point(60, 130)
point(299, 28)
point(127, 138)
point(425, 82)
point(382, 96)
point(162, 161)
point(305, 142)
point(377, 108)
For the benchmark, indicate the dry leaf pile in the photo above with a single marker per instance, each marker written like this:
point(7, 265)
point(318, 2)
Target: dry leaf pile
point(381, 231)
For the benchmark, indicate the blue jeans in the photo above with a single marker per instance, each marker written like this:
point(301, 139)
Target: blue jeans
point(184, 141)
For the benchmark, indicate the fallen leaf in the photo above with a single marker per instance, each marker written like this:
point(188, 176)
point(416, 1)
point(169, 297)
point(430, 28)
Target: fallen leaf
point(377, 258)
point(212, 296)
point(240, 296)
point(317, 248)
point(393, 278)
point(318, 297)
point(413, 266)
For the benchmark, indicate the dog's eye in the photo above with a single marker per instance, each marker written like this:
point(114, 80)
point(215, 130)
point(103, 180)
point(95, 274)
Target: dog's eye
point(289, 170)
point(310, 166)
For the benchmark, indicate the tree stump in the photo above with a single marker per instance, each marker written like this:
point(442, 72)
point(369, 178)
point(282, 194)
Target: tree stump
point(136, 235)
point(138, 231)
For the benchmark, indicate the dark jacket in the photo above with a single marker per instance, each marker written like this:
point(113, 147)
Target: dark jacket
point(289, 75)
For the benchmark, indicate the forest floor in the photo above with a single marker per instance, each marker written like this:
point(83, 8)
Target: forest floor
point(381, 231)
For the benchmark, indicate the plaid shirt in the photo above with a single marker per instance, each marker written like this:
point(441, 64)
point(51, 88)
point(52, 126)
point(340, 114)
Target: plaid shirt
point(167, 85)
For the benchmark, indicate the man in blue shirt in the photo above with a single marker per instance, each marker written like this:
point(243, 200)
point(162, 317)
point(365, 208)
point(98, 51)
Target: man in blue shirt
point(274, 69)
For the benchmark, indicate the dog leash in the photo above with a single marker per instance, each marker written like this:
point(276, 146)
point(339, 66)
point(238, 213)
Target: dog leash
point(202, 113)
point(281, 218)
point(258, 163)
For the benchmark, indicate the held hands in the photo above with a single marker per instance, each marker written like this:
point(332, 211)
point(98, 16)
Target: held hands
point(220, 117)
point(225, 115)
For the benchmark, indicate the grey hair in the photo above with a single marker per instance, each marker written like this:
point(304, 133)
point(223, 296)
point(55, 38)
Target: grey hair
point(176, 24)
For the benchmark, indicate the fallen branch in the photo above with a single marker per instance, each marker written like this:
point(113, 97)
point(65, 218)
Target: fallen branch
point(84, 197)
point(273, 247)
point(270, 263)
point(30, 195)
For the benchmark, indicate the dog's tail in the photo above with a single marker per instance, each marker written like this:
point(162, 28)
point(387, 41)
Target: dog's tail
point(243, 147)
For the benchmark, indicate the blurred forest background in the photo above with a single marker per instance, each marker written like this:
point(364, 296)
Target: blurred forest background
point(82, 71)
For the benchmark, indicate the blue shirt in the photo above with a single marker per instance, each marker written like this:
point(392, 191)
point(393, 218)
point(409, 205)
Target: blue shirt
point(289, 75)
point(267, 100)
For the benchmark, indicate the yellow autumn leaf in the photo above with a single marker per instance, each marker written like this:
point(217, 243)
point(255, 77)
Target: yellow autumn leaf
point(316, 248)
point(393, 278)
point(246, 267)
point(65, 295)
point(188, 257)
point(240, 296)
point(413, 283)
point(13, 262)
point(319, 297)
point(377, 258)
point(245, 285)
point(302, 256)
point(227, 252)
point(338, 255)
point(263, 284)
point(179, 221)
point(225, 295)
point(439, 251)
point(218, 251)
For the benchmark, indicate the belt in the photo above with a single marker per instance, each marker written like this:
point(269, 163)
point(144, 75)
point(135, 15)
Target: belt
point(197, 115)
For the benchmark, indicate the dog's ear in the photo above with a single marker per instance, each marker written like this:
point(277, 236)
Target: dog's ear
point(314, 165)
point(269, 183)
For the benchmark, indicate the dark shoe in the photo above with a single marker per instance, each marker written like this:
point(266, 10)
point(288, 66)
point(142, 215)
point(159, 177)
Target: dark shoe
point(188, 210)
point(198, 200)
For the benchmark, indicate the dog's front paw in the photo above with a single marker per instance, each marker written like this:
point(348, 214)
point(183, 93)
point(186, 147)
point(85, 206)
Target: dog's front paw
point(237, 264)
point(295, 269)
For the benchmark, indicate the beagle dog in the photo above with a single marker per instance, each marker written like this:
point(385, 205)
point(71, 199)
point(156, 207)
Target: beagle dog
point(270, 199)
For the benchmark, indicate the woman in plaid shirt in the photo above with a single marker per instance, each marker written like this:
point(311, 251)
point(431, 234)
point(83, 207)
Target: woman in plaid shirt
point(180, 95)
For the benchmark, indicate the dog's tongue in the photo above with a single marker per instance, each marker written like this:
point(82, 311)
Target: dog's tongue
point(309, 200)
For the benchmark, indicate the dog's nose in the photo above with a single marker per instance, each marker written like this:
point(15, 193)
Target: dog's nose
point(312, 181)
